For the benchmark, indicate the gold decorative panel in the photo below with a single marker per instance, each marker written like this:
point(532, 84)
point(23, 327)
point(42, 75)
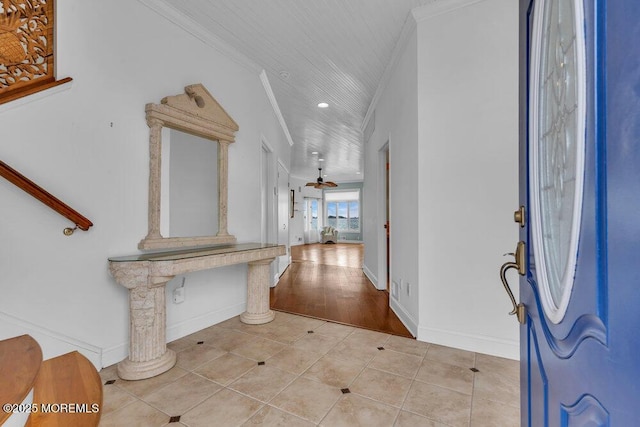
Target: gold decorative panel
point(26, 46)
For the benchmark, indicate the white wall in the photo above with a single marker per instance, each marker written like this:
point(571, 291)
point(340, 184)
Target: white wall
point(88, 145)
point(468, 127)
point(396, 123)
point(449, 112)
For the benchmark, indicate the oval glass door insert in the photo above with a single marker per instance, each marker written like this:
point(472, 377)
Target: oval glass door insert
point(556, 147)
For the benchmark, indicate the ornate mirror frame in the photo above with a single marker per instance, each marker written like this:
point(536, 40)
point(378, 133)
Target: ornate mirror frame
point(195, 112)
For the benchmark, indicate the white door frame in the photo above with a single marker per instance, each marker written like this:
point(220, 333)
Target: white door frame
point(284, 260)
point(267, 194)
point(269, 212)
point(382, 214)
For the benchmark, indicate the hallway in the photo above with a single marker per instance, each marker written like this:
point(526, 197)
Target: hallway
point(327, 282)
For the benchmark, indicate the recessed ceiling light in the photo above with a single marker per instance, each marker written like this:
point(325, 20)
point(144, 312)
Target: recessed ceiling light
point(323, 105)
point(357, 173)
point(325, 175)
point(284, 75)
point(321, 160)
point(314, 152)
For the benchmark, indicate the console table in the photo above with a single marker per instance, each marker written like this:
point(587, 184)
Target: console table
point(146, 276)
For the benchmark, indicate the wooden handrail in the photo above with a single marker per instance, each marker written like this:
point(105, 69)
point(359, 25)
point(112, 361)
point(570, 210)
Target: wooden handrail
point(44, 196)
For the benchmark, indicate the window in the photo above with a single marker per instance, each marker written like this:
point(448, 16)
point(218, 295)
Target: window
point(343, 210)
point(313, 214)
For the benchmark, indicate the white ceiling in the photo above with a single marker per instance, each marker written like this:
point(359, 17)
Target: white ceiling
point(334, 51)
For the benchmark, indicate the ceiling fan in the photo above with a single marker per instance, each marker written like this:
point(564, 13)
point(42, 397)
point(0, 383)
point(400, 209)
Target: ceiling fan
point(320, 183)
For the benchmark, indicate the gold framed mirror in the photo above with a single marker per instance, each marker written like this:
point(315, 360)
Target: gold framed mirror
point(195, 113)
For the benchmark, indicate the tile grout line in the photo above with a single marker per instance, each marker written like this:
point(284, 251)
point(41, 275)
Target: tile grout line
point(300, 375)
point(290, 345)
point(473, 388)
point(413, 380)
point(352, 381)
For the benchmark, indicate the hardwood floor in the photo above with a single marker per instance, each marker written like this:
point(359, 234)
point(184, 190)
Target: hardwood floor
point(327, 282)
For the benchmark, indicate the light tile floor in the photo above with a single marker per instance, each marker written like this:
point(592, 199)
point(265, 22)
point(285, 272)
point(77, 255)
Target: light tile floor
point(299, 371)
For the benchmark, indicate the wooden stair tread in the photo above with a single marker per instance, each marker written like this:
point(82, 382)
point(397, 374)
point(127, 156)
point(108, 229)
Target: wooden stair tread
point(20, 360)
point(70, 379)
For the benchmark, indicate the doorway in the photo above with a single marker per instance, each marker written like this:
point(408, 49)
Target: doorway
point(266, 214)
point(283, 215)
point(384, 220)
point(311, 220)
point(386, 211)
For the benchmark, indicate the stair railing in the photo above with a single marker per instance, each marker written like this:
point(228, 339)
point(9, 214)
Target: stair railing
point(45, 197)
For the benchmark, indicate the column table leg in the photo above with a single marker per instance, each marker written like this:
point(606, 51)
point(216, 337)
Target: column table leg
point(258, 310)
point(148, 353)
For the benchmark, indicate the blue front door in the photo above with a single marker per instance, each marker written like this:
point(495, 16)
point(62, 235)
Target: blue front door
point(580, 192)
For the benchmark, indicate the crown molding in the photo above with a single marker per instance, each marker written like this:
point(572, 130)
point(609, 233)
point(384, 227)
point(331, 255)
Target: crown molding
point(169, 12)
point(274, 103)
point(438, 8)
point(408, 29)
point(164, 9)
point(418, 14)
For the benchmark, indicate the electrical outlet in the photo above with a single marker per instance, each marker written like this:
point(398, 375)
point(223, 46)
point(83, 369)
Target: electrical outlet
point(394, 290)
point(178, 293)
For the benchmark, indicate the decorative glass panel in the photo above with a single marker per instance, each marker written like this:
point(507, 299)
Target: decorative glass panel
point(557, 147)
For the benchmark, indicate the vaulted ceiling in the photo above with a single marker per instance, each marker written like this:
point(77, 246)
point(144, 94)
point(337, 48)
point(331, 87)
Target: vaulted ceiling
point(333, 51)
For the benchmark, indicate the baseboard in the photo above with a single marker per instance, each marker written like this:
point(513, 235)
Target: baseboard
point(52, 343)
point(115, 354)
point(278, 275)
point(189, 326)
point(476, 343)
point(370, 276)
point(350, 241)
point(407, 320)
point(181, 329)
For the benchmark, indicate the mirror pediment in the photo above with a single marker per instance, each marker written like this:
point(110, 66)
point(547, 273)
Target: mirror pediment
point(194, 112)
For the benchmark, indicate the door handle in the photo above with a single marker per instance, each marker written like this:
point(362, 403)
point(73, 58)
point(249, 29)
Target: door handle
point(518, 309)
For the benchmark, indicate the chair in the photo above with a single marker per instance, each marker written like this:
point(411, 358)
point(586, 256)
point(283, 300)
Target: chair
point(329, 234)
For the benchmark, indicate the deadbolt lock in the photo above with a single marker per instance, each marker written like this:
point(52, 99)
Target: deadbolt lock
point(519, 216)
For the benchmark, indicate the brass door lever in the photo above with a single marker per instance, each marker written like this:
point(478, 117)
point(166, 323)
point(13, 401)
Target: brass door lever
point(518, 309)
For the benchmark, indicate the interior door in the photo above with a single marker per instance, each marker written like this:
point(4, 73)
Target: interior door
point(580, 228)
